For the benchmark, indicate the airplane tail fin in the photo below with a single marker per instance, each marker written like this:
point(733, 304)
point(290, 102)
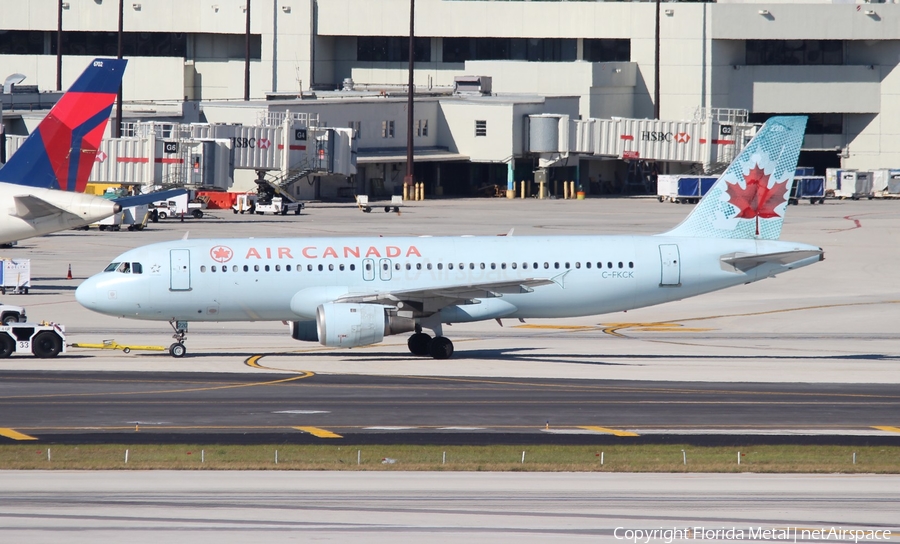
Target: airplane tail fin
point(60, 153)
point(749, 200)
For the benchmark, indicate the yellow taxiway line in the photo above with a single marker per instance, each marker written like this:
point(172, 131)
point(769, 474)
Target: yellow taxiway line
point(320, 433)
point(606, 430)
point(15, 435)
point(888, 429)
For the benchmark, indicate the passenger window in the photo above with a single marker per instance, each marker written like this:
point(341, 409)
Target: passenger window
point(234, 268)
point(525, 266)
point(331, 267)
point(213, 268)
point(449, 266)
point(352, 267)
point(471, 266)
point(630, 264)
point(502, 266)
point(408, 266)
point(136, 268)
point(224, 268)
point(203, 269)
point(287, 268)
point(493, 266)
point(555, 265)
point(267, 268)
point(246, 268)
point(587, 264)
point(482, 266)
point(111, 268)
point(342, 268)
point(321, 268)
point(461, 266)
point(309, 268)
point(620, 264)
point(513, 265)
point(277, 268)
point(440, 266)
point(418, 266)
point(396, 266)
point(567, 266)
point(577, 265)
point(255, 268)
point(428, 266)
point(368, 266)
point(546, 265)
point(535, 266)
point(608, 265)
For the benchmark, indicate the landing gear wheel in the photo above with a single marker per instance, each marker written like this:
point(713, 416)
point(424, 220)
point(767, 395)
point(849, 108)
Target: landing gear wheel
point(419, 344)
point(46, 345)
point(441, 348)
point(177, 350)
point(7, 346)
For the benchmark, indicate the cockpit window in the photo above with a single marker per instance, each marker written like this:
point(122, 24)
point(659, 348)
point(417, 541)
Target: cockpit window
point(112, 267)
point(136, 268)
point(124, 268)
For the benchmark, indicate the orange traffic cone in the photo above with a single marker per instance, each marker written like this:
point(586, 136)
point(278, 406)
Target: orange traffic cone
point(69, 275)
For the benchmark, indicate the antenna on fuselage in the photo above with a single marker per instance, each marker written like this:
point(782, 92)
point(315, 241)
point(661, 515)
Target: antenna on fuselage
point(185, 235)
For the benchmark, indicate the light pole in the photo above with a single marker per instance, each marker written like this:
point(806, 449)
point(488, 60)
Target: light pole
point(408, 180)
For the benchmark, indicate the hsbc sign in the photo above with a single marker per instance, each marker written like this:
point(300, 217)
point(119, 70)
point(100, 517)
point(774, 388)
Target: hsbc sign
point(651, 136)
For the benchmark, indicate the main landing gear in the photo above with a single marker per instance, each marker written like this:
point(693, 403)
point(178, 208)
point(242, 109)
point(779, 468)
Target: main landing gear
point(177, 349)
point(423, 345)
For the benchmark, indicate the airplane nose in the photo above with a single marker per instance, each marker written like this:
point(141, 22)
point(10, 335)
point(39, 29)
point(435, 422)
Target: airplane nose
point(86, 294)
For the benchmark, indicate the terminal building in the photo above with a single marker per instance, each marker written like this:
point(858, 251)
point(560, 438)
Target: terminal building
point(487, 73)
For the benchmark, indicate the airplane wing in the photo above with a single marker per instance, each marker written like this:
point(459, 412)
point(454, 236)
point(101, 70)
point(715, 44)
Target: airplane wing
point(29, 208)
point(431, 300)
point(745, 261)
point(147, 198)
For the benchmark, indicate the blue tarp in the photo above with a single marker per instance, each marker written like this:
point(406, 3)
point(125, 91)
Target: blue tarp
point(695, 186)
point(808, 186)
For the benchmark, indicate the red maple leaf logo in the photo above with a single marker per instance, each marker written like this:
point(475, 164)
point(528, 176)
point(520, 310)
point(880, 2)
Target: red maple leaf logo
point(221, 254)
point(757, 200)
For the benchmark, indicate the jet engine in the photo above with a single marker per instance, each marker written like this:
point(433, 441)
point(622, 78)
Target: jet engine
point(344, 325)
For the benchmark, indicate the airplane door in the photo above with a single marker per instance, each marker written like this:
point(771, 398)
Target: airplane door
point(671, 266)
point(180, 279)
point(384, 269)
point(368, 269)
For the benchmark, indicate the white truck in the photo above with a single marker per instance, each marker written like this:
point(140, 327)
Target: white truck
point(249, 203)
point(12, 314)
point(44, 340)
point(178, 206)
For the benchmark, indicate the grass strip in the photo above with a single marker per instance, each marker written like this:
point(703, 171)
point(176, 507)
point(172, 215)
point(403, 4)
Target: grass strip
point(538, 458)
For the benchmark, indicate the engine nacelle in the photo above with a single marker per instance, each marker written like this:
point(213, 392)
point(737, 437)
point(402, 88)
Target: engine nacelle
point(342, 325)
point(305, 331)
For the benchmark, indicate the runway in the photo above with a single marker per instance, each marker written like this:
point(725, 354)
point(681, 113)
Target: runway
point(304, 407)
point(474, 507)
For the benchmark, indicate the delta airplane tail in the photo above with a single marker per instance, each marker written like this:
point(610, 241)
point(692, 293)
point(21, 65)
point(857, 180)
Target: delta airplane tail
point(750, 199)
point(60, 153)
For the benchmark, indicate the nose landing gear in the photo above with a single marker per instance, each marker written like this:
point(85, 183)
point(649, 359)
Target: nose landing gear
point(178, 349)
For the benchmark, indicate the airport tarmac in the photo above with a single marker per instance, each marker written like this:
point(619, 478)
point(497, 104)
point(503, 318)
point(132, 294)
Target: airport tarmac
point(832, 322)
point(396, 507)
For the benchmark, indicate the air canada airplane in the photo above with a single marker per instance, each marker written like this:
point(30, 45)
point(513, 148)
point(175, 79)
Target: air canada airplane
point(348, 292)
point(42, 184)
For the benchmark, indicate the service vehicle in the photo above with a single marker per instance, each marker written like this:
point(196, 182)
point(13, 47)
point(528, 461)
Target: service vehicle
point(12, 314)
point(179, 206)
point(44, 340)
point(250, 203)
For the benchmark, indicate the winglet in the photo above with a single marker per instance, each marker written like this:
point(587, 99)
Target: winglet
point(60, 153)
point(750, 199)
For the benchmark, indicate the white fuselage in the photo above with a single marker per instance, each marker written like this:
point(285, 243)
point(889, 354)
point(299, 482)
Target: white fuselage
point(64, 210)
point(287, 279)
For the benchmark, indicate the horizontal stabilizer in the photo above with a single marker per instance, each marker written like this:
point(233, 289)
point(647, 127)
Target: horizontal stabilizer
point(30, 207)
point(744, 262)
point(139, 200)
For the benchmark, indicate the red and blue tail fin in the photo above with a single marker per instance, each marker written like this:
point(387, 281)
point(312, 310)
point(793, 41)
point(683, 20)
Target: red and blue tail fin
point(60, 153)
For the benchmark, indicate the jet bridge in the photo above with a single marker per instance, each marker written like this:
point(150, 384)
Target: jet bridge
point(711, 138)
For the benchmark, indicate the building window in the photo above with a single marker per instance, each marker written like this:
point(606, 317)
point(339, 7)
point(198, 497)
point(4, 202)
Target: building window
point(530, 49)
point(22, 42)
point(391, 49)
point(794, 52)
point(387, 129)
point(480, 128)
point(607, 50)
point(354, 125)
point(422, 127)
point(816, 123)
